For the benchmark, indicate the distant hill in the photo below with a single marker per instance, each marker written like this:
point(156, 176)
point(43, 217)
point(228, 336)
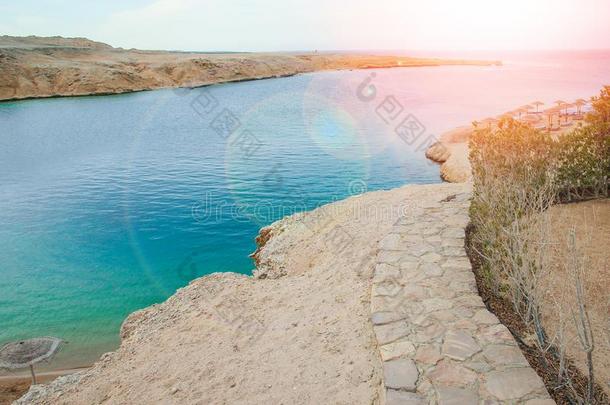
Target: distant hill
point(34, 42)
point(33, 67)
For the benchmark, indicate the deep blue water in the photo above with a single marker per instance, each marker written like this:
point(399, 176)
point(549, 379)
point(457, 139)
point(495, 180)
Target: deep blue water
point(109, 204)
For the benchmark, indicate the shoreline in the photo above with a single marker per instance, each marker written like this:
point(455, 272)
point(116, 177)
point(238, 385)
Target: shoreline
point(34, 68)
point(239, 80)
point(45, 375)
point(118, 93)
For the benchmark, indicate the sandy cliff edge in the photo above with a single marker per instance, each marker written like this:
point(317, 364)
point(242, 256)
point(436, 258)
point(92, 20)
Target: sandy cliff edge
point(451, 151)
point(296, 332)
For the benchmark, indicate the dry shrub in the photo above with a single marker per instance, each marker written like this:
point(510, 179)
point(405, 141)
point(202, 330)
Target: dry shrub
point(514, 180)
point(518, 173)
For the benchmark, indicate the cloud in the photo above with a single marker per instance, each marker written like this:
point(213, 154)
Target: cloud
point(270, 25)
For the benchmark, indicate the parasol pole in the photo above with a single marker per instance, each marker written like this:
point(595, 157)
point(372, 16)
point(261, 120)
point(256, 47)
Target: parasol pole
point(33, 374)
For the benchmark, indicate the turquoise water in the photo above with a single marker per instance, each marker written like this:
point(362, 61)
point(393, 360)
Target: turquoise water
point(109, 204)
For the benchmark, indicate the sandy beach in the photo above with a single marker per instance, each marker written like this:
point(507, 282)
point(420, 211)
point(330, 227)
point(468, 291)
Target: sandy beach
point(14, 385)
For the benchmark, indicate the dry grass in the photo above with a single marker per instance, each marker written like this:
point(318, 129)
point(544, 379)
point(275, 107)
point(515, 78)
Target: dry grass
point(590, 223)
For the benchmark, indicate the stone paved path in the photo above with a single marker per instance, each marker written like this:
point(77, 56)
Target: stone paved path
point(438, 342)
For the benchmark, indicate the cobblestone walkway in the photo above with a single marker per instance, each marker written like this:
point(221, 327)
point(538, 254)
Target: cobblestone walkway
point(438, 342)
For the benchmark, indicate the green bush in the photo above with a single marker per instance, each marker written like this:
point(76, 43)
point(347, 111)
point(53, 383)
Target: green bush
point(583, 157)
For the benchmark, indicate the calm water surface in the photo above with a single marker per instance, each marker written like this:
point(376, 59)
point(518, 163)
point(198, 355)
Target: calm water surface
point(109, 204)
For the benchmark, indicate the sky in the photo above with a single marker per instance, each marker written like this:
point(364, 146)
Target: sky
point(285, 25)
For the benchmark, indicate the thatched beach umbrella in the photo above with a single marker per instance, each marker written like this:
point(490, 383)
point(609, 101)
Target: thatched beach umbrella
point(579, 103)
point(26, 353)
point(530, 118)
point(550, 113)
point(521, 110)
point(527, 108)
point(537, 104)
point(487, 121)
point(561, 104)
point(567, 106)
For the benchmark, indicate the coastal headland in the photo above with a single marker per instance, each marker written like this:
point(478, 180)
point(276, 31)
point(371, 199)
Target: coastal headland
point(33, 67)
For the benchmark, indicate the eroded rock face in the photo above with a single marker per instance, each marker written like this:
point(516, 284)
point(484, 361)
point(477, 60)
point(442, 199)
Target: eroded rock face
point(452, 153)
point(438, 152)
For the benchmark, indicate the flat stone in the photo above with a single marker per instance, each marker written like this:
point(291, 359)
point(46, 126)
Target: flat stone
point(462, 275)
point(453, 374)
point(396, 349)
point(428, 354)
point(389, 256)
point(390, 332)
point(431, 257)
point(419, 249)
point(389, 287)
point(431, 269)
point(431, 230)
point(379, 304)
point(459, 345)
point(453, 242)
point(484, 317)
point(457, 220)
point(465, 324)
point(462, 312)
point(461, 287)
point(414, 292)
point(471, 301)
point(446, 315)
point(478, 366)
point(400, 374)
point(513, 384)
point(407, 221)
point(384, 270)
point(410, 238)
point(453, 233)
point(394, 397)
point(435, 304)
point(391, 242)
point(407, 259)
point(496, 334)
point(505, 355)
point(456, 396)
point(452, 251)
point(455, 263)
point(540, 402)
point(442, 292)
point(434, 239)
point(380, 318)
point(430, 333)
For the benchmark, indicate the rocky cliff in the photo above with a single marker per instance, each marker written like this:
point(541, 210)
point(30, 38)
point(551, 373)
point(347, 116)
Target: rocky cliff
point(55, 66)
